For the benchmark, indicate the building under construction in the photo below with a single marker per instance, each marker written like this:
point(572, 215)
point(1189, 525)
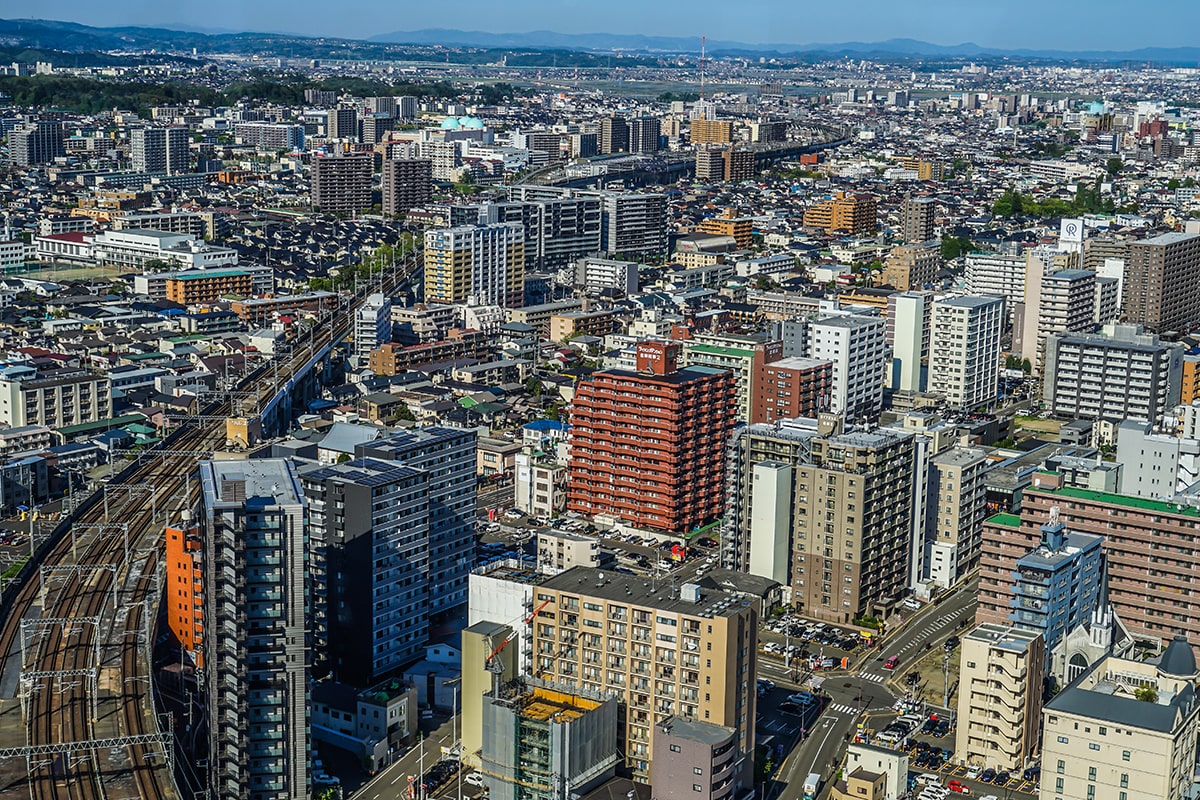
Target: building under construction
point(542, 742)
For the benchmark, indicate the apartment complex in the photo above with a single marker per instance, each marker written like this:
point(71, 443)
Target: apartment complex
point(270, 136)
point(856, 346)
point(728, 224)
point(912, 266)
point(1056, 302)
point(257, 617)
point(1159, 289)
point(1119, 374)
point(695, 754)
point(372, 324)
point(655, 461)
point(557, 230)
point(448, 456)
point(1147, 590)
point(55, 397)
point(964, 362)
point(160, 150)
point(957, 487)
point(371, 520)
point(688, 654)
point(207, 285)
point(907, 332)
point(40, 142)
point(916, 219)
point(407, 183)
point(711, 131)
point(184, 598)
point(341, 184)
point(743, 357)
point(844, 213)
point(1125, 729)
point(482, 264)
point(789, 388)
point(633, 225)
point(1000, 697)
point(996, 274)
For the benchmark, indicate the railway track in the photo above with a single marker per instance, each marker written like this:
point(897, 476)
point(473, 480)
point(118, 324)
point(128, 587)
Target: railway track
point(63, 703)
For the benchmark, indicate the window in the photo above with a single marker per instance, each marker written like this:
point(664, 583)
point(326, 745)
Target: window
point(1092, 772)
point(697, 771)
point(697, 787)
point(1063, 740)
point(1124, 780)
point(1103, 731)
point(1091, 793)
point(1093, 746)
point(1124, 755)
point(970, 665)
point(1058, 784)
point(1062, 766)
point(674, 748)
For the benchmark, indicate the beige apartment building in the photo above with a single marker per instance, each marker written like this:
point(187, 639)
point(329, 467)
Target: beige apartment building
point(558, 551)
point(1124, 730)
point(1000, 697)
point(956, 482)
point(686, 653)
point(911, 266)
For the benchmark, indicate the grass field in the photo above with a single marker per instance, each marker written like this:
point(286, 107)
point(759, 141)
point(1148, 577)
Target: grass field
point(68, 272)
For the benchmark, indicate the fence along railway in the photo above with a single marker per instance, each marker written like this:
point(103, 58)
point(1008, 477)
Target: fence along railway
point(77, 628)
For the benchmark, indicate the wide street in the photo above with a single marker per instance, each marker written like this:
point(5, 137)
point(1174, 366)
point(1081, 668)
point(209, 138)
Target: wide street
point(392, 782)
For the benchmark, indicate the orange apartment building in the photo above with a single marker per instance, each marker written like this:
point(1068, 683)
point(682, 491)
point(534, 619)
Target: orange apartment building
point(1190, 391)
point(1150, 549)
point(208, 286)
point(185, 589)
point(392, 358)
point(740, 228)
point(790, 388)
point(711, 131)
point(844, 213)
point(648, 447)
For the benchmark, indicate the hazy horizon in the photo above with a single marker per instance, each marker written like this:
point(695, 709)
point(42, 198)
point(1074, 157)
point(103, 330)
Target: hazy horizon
point(1012, 24)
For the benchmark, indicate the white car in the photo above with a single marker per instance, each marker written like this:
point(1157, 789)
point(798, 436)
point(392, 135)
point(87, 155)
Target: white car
point(474, 778)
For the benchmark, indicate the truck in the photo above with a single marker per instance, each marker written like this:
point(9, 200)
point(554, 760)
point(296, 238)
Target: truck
point(811, 784)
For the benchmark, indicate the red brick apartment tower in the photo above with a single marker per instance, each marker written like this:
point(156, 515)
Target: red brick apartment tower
point(648, 446)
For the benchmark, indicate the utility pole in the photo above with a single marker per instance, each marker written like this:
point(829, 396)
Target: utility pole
point(946, 679)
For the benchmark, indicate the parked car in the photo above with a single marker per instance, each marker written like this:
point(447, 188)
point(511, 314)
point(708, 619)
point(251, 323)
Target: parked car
point(958, 787)
point(1002, 779)
point(1031, 773)
point(951, 643)
point(973, 771)
point(988, 775)
point(475, 779)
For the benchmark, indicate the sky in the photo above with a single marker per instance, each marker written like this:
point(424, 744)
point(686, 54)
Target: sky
point(1010, 24)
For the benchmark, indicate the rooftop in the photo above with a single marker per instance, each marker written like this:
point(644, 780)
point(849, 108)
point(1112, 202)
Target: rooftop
point(1142, 503)
point(1007, 520)
point(635, 589)
point(696, 731)
point(1003, 637)
point(1169, 238)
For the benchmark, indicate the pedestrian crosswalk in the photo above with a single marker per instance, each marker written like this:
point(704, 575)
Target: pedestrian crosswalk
point(918, 637)
point(841, 708)
point(871, 676)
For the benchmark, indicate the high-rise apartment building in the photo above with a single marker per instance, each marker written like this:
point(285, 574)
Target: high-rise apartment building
point(370, 518)
point(1121, 373)
point(916, 219)
point(40, 142)
point(855, 344)
point(907, 332)
point(342, 124)
point(710, 164)
point(373, 128)
point(912, 266)
point(711, 131)
point(1000, 698)
point(729, 224)
point(1125, 729)
point(614, 135)
point(657, 463)
point(257, 619)
point(741, 355)
point(372, 324)
point(996, 274)
point(1160, 290)
point(557, 231)
point(632, 224)
point(689, 654)
point(407, 183)
point(843, 213)
point(483, 264)
point(341, 184)
point(270, 136)
point(740, 164)
point(160, 150)
point(1056, 301)
point(958, 496)
point(448, 456)
point(964, 361)
point(1146, 590)
point(790, 388)
point(643, 134)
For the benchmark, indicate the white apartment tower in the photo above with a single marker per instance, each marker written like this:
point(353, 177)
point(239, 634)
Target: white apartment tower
point(964, 363)
point(857, 347)
point(372, 324)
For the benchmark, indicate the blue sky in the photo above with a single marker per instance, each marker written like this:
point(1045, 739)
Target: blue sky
point(1041, 24)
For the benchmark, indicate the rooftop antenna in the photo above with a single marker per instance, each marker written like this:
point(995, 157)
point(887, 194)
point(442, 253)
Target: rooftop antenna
point(703, 41)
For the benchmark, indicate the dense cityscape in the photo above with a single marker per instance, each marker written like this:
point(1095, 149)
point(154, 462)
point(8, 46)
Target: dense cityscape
point(443, 419)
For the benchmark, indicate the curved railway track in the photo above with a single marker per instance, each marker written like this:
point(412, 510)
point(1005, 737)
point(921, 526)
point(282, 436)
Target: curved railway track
point(59, 709)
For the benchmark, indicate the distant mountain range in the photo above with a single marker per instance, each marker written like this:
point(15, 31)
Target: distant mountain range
point(73, 37)
point(677, 44)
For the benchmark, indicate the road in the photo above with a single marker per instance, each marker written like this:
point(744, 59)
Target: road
point(497, 496)
point(392, 782)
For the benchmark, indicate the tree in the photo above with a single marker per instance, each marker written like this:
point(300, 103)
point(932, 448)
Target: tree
point(534, 387)
point(953, 247)
point(1114, 165)
point(1147, 694)
point(1026, 367)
